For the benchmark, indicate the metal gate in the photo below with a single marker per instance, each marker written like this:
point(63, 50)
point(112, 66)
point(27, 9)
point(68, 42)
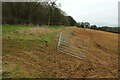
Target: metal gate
point(73, 46)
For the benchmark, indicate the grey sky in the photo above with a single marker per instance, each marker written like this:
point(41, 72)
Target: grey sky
point(99, 12)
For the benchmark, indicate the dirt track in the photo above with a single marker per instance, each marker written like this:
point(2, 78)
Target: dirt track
point(102, 57)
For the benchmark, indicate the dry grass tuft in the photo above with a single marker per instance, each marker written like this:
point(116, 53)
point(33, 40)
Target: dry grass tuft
point(36, 30)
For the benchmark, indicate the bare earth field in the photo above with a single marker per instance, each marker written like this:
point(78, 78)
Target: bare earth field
point(37, 57)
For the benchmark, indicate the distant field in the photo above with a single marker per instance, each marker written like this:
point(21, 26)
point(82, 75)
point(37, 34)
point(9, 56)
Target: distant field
point(30, 52)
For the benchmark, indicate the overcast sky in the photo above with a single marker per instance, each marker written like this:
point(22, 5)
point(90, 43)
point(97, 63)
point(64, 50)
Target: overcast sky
point(99, 12)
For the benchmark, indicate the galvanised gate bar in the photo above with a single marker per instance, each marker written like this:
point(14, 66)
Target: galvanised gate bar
point(73, 46)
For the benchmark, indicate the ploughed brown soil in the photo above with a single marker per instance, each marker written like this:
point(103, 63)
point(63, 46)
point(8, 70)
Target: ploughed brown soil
point(102, 56)
point(46, 62)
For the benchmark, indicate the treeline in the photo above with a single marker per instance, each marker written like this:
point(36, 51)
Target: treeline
point(36, 13)
point(106, 28)
point(83, 24)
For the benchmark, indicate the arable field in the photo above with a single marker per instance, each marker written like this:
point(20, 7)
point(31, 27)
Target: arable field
point(31, 52)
